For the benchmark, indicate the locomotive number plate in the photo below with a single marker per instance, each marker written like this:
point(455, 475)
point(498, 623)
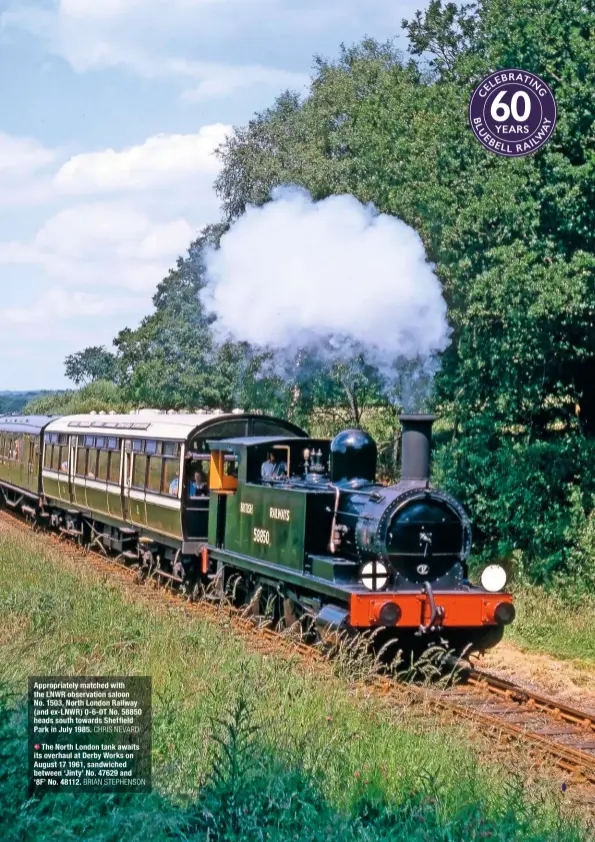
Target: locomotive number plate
point(261, 536)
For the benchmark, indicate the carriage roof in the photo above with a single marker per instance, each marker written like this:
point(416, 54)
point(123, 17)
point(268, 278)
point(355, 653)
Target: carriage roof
point(32, 424)
point(164, 426)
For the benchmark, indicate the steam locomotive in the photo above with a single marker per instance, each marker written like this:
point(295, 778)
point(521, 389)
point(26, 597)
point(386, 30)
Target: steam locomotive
point(298, 523)
point(335, 545)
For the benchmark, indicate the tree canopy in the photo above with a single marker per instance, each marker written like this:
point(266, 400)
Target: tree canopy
point(512, 240)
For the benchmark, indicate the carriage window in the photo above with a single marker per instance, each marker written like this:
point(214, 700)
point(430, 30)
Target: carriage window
point(139, 474)
point(55, 456)
point(151, 447)
point(81, 462)
point(102, 464)
point(62, 459)
point(92, 465)
point(137, 445)
point(113, 444)
point(89, 441)
point(198, 483)
point(115, 460)
point(171, 477)
point(170, 448)
point(155, 468)
point(100, 443)
point(47, 456)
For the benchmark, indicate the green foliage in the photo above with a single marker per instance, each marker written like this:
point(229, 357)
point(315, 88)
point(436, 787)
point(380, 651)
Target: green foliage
point(172, 360)
point(94, 363)
point(95, 397)
point(525, 498)
point(512, 240)
point(13, 402)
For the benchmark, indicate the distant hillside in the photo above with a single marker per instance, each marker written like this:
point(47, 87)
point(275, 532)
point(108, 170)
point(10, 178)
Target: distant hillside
point(11, 402)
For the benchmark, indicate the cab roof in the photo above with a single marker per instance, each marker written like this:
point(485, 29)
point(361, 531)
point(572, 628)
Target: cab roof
point(248, 441)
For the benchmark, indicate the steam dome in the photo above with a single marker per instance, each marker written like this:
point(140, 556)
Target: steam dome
point(353, 456)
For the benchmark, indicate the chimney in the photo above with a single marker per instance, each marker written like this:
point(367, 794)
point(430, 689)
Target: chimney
point(416, 442)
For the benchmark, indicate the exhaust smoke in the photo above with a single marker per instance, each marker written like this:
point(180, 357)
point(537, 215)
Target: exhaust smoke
point(335, 280)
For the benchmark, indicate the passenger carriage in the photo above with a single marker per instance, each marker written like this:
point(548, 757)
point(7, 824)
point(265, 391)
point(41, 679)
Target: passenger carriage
point(21, 444)
point(123, 482)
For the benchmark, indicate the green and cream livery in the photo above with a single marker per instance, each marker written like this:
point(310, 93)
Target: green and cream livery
point(121, 481)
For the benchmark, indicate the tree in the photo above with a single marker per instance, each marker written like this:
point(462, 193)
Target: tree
point(94, 363)
point(513, 241)
point(172, 359)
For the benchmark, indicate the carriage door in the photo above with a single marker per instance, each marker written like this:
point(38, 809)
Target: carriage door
point(126, 479)
point(72, 456)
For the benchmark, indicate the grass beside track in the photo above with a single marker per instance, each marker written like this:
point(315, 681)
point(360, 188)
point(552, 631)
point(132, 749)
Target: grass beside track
point(307, 759)
point(559, 625)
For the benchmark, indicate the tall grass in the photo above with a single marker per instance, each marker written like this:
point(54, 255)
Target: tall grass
point(247, 745)
point(557, 623)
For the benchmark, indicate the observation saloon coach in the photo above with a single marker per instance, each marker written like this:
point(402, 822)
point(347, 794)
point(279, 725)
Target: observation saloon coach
point(299, 525)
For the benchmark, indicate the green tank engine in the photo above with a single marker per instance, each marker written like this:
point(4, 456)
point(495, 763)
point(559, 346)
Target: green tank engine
point(321, 534)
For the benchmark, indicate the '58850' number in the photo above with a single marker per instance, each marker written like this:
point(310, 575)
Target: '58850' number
point(261, 536)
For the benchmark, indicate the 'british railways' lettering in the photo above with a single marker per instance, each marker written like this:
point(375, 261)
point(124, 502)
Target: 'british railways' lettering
point(280, 514)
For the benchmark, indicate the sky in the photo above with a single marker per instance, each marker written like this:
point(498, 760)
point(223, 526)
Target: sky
point(111, 110)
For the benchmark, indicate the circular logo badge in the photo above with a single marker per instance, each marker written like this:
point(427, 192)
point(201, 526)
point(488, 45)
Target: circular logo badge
point(512, 113)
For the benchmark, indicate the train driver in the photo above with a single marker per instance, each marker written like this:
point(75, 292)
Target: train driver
point(267, 469)
point(273, 469)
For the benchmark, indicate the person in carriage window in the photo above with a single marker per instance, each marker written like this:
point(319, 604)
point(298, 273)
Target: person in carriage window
point(198, 485)
point(174, 485)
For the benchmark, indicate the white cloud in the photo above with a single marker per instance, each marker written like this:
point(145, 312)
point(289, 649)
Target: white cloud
point(24, 164)
point(140, 35)
point(158, 162)
point(123, 217)
point(107, 244)
point(107, 9)
point(104, 9)
point(21, 156)
point(59, 304)
point(218, 80)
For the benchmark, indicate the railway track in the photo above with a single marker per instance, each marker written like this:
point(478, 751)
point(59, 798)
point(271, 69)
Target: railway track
point(560, 731)
point(555, 731)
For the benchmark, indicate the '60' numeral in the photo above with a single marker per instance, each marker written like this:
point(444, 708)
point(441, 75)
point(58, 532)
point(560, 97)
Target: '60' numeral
point(500, 111)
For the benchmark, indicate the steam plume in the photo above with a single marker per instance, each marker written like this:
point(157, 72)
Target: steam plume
point(334, 277)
